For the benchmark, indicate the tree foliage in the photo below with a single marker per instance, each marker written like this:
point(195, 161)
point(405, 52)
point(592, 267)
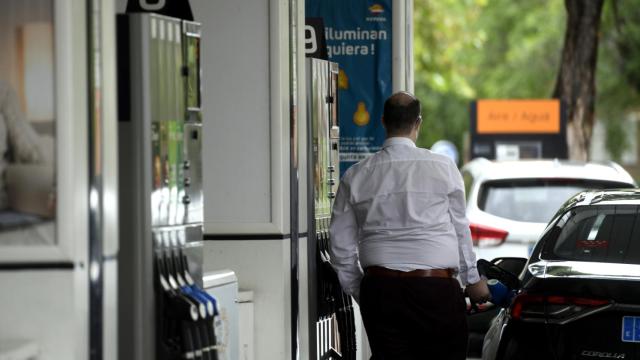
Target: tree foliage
point(618, 79)
point(443, 70)
point(471, 49)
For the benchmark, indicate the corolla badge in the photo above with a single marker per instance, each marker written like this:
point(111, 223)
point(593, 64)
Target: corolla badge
point(602, 355)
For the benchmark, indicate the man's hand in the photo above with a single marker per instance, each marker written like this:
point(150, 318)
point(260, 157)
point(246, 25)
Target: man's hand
point(479, 292)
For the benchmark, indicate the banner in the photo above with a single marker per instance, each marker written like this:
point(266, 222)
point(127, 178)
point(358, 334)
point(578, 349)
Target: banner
point(358, 36)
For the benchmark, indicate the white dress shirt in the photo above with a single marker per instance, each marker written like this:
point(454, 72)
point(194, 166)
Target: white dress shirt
point(402, 208)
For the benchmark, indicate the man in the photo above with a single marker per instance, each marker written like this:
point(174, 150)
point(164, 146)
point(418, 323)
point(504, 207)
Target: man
point(400, 216)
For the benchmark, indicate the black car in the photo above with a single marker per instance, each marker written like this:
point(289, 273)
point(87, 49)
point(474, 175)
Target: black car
point(578, 295)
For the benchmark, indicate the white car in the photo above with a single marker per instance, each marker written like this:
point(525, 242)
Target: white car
point(509, 203)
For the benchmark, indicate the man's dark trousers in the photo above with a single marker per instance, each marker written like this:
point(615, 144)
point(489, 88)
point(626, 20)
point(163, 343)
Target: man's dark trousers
point(414, 317)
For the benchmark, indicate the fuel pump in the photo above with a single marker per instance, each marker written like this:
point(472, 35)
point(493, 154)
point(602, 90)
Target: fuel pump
point(330, 309)
point(164, 313)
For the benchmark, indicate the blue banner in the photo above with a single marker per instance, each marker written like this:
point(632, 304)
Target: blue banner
point(358, 36)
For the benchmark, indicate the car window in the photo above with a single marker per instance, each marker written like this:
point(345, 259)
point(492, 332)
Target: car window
point(533, 200)
point(599, 234)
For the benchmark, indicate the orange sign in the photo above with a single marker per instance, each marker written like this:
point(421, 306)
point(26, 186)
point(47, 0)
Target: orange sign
point(518, 116)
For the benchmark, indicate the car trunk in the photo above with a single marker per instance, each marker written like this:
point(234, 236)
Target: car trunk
point(596, 336)
point(589, 319)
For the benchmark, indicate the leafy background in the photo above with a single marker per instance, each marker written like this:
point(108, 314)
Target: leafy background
point(470, 49)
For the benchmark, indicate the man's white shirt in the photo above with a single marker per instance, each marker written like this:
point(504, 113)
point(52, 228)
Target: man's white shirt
point(402, 208)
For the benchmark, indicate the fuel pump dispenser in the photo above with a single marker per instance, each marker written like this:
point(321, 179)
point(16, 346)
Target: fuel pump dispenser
point(332, 323)
point(163, 311)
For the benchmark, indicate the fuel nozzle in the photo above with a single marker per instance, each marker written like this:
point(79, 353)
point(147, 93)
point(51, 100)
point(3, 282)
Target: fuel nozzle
point(501, 295)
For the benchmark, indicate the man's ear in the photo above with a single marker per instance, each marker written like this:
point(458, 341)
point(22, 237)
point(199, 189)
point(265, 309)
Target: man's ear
point(384, 125)
point(418, 126)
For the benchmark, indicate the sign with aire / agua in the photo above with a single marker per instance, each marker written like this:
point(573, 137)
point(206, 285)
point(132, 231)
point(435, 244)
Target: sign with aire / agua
point(518, 116)
point(358, 35)
point(518, 129)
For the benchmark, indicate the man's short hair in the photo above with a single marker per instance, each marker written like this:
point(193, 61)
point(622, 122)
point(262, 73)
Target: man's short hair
point(401, 111)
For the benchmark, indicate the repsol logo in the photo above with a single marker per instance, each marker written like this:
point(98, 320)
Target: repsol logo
point(602, 355)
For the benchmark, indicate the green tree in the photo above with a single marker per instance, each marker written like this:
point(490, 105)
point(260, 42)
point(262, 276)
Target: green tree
point(442, 36)
point(618, 76)
point(472, 49)
point(576, 83)
point(520, 55)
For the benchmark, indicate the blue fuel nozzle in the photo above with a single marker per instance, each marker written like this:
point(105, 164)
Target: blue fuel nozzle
point(501, 295)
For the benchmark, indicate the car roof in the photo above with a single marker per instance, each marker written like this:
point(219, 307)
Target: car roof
point(605, 197)
point(484, 169)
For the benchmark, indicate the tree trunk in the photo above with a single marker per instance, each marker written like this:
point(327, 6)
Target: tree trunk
point(575, 84)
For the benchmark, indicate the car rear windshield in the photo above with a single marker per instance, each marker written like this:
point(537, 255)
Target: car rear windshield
point(600, 233)
point(533, 200)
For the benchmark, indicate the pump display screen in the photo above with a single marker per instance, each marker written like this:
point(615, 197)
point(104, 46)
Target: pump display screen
point(193, 77)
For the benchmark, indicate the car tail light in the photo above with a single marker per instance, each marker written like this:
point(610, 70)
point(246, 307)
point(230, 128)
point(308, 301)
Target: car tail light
point(526, 306)
point(483, 235)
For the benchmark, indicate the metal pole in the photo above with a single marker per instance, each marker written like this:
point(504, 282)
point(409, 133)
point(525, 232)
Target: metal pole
point(94, 47)
point(293, 177)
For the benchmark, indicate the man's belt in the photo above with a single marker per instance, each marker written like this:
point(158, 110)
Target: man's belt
point(382, 271)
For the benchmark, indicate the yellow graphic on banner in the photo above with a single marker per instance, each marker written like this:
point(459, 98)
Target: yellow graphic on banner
point(361, 117)
point(376, 9)
point(343, 80)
